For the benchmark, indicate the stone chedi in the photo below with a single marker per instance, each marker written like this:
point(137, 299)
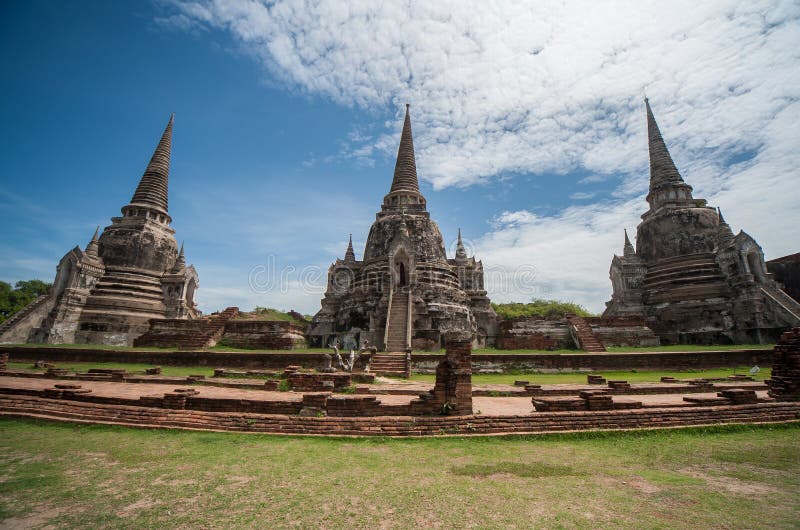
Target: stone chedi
point(692, 279)
point(405, 292)
point(131, 273)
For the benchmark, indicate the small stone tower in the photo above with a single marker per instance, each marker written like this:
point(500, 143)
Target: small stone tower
point(404, 293)
point(128, 275)
point(689, 276)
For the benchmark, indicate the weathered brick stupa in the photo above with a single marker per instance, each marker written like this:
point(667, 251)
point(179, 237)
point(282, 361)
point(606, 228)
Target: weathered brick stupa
point(405, 293)
point(132, 273)
point(689, 276)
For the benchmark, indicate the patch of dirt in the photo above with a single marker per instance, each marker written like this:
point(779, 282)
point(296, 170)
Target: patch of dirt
point(730, 484)
point(37, 518)
point(644, 486)
point(234, 481)
point(141, 504)
point(162, 481)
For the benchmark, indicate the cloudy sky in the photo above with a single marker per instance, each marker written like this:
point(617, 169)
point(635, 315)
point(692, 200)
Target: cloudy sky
point(528, 120)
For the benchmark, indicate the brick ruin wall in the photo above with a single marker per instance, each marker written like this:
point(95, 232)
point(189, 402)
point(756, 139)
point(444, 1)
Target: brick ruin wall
point(785, 382)
point(245, 334)
point(119, 413)
point(265, 335)
point(539, 333)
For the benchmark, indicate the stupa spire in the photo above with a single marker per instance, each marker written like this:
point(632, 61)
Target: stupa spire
point(153, 187)
point(349, 254)
point(628, 249)
point(93, 246)
point(662, 169)
point(461, 252)
point(405, 169)
point(180, 261)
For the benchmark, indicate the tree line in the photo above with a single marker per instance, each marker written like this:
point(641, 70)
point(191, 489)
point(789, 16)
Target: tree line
point(12, 299)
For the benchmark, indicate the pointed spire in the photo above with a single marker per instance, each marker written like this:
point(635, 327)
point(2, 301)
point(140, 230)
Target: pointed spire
point(461, 253)
point(724, 232)
point(180, 261)
point(153, 187)
point(405, 169)
point(662, 168)
point(93, 246)
point(350, 255)
point(628, 249)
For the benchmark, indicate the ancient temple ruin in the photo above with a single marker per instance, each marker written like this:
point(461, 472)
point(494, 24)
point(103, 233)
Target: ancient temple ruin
point(131, 273)
point(405, 292)
point(692, 279)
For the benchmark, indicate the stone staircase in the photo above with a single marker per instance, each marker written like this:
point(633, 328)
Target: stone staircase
point(584, 337)
point(397, 334)
point(393, 364)
point(22, 313)
point(783, 300)
point(187, 334)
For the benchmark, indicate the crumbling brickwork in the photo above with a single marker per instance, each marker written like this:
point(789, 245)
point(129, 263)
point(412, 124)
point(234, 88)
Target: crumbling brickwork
point(784, 384)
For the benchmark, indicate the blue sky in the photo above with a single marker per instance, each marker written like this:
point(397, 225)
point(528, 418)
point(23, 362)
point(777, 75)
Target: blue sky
point(528, 124)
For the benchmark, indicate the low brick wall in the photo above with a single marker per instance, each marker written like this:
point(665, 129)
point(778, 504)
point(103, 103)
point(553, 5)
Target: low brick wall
point(263, 334)
point(135, 416)
point(531, 333)
point(539, 333)
point(421, 362)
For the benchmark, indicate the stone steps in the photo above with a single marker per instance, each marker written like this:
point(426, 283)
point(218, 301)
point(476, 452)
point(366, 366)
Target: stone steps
point(586, 336)
point(396, 336)
point(389, 364)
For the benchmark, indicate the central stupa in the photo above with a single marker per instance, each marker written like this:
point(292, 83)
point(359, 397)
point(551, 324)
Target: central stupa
point(405, 293)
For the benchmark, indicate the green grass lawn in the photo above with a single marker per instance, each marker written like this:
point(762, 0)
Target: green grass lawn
point(632, 376)
point(694, 347)
point(68, 476)
point(221, 348)
point(218, 348)
point(509, 378)
point(130, 367)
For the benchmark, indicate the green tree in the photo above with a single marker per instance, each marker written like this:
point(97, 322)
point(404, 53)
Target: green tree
point(540, 308)
point(23, 293)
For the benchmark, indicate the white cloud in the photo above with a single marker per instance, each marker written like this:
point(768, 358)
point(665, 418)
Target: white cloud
point(502, 86)
point(506, 87)
point(582, 195)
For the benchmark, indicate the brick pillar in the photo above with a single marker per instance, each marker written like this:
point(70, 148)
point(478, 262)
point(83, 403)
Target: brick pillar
point(453, 389)
point(785, 382)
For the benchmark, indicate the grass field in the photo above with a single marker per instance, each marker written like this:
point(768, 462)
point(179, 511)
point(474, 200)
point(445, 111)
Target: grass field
point(632, 376)
point(534, 377)
point(223, 348)
point(68, 476)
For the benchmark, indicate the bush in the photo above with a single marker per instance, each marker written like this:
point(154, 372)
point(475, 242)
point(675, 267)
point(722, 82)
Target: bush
point(540, 308)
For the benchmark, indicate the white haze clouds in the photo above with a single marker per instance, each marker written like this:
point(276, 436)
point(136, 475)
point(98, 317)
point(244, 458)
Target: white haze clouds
point(503, 88)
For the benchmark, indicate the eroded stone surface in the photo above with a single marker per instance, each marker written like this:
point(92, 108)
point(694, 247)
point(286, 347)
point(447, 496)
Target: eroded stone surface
point(690, 277)
point(405, 292)
point(131, 273)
